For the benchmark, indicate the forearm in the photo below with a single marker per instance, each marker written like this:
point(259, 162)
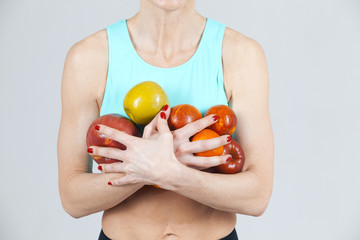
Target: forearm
point(243, 193)
point(87, 193)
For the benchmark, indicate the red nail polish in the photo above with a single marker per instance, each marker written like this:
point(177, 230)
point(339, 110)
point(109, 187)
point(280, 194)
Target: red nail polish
point(100, 168)
point(109, 183)
point(229, 159)
point(215, 118)
point(165, 108)
point(97, 127)
point(90, 150)
point(229, 138)
point(163, 115)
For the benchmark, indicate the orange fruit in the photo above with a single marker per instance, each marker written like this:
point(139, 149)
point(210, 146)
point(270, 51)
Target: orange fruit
point(204, 135)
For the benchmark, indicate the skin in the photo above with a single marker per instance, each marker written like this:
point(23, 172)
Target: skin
point(192, 204)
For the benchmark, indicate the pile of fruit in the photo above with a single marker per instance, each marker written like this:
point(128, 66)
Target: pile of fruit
point(144, 101)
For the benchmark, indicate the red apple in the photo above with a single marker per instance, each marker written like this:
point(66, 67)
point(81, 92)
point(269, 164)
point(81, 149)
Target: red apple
point(94, 138)
point(238, 158)
point(227, 119)
point(183, 114)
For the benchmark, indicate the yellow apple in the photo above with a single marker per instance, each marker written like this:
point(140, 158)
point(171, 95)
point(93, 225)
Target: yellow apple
point(144, 101)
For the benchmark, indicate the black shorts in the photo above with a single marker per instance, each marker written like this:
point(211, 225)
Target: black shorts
point(231, 236)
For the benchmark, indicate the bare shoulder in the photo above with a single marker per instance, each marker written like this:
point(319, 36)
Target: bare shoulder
point(86, 64)
point(242, 58)
point(237, 46)
point(94, 44)
point(90, 51)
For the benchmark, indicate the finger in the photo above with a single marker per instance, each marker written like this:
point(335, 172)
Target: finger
point(112, 167)
point(115, 134)
point(122, 181)
point(191, 129)
point(151, 127)
point(109, 152)
point(208, 144)
point(162, 123)
point(207, 162)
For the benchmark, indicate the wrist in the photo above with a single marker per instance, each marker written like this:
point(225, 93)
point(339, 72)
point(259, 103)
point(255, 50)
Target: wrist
point(175, 177)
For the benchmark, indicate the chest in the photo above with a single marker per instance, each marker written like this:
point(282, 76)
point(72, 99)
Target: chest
point(186, 78)
point(163, 59)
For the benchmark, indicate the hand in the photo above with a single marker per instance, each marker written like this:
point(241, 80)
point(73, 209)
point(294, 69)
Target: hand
point(184, 149)
point(150, 160)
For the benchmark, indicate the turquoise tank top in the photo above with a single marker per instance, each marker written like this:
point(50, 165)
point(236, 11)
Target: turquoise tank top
point(198, 82)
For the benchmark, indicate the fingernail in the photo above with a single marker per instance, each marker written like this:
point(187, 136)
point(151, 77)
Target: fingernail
point(163, 115)
point(229, 138)
point(215, 118)
point(229, 159)
point(165, 108)
point(109, 183)
point(90, 150)
point(97, 127)
point(100, 168)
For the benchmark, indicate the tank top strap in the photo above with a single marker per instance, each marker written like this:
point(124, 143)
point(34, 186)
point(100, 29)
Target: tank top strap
point(117, 43)
point(213, 37)
point(212, 49)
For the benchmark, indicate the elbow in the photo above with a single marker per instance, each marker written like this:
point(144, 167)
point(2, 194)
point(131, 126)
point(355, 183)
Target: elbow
point(70, 203)
point(71, 210)
point(73, 214)
point(72, 206)
point(262, 204)
point(262, 197)
point(259, 211)
point(255, 210)
point(257, 205)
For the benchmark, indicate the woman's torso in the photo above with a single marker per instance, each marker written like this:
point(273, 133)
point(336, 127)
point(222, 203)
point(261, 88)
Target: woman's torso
point(153, 213)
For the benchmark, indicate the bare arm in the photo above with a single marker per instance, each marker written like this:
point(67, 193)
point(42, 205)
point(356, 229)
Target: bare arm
point(247, 192)
point(81, 191)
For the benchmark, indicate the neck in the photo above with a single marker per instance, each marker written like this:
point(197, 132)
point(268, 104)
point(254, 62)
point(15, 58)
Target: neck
point(154, 29)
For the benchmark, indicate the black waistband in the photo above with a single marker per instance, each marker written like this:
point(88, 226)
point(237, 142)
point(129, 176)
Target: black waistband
point(231, 236)
point(102, 236)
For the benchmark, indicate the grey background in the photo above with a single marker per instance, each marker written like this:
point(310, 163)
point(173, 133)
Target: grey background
point(312, 49)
